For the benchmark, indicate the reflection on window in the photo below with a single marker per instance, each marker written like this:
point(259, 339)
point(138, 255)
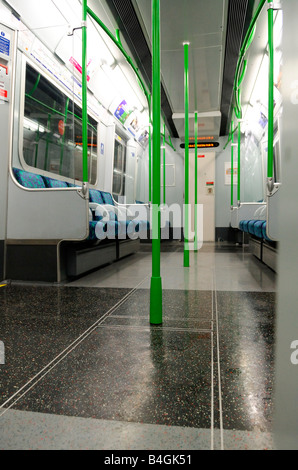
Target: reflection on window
point(52, 134)
point(119, 167)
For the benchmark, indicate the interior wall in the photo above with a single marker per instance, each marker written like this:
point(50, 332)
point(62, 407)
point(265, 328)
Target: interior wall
point(286, 355)
point(223, 192)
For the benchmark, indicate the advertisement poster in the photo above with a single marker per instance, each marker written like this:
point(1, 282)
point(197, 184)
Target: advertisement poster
point(144, 138)
point(122, 112)
point(228, 174)
point(133, 124)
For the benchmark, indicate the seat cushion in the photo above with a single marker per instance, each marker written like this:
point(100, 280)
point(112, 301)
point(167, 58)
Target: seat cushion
point(251, 227)
point(258, 228)
point(28, 180)
point(107, 198)
point(245, 225)
point(95, 196)
point(264, 231)
point(52, 183)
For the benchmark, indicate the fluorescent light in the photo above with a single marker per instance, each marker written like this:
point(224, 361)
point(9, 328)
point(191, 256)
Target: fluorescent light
point(33, 125)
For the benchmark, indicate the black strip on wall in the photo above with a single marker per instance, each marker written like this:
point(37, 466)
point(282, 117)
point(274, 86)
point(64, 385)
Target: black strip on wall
point(129, 25)
point(239, 17)
point(2, 248)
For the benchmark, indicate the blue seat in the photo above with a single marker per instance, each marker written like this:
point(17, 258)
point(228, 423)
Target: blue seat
point(29, 180)
point(52, 183)
point(107, 198)
point(264, 227)
point(251, 227)
point(96, 196)
point(258, 228)
point(245, 225)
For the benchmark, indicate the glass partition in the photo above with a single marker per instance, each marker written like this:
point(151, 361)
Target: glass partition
point(119, 167)
point(254, 105)
point(52, 130)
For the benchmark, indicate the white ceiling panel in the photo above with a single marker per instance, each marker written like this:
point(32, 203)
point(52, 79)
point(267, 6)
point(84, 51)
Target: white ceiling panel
point(203, 24)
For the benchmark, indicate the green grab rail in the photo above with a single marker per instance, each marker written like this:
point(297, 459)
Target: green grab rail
point(156, 281)
point(117, 41)
point(232, 165)
point(196, 182)
point(45, 166)
point(164, 163)
point(246, 43)
point(30, 93)
point(271, 93)
point(170, 144)
point(55, 111)
point(63, 137)
point(186, 163)
point(84, 94)
point(150, 163)
point(239, 163)
point(229, 139)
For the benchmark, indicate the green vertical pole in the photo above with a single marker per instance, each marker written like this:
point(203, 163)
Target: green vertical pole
point(271, 91)
point(47, 142)
point(150, 163)
point(63, 137)
point(232, 165)
point(239, 163)
point(196, 181)
point(164, 163)
point(84, 93)
point(186, 199)
point(156, 282)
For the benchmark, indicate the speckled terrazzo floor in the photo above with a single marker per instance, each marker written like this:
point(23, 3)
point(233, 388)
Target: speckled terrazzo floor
point(85, 370)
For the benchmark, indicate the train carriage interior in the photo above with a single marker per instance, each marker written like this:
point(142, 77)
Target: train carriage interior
point(148, 228)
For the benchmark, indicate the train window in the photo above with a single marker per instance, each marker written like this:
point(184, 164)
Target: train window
point(52, 130)
point(119, 167)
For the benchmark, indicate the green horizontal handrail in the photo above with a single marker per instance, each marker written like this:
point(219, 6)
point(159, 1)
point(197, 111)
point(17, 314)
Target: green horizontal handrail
point(117, 40)
point(230, 138)
point(55, 111)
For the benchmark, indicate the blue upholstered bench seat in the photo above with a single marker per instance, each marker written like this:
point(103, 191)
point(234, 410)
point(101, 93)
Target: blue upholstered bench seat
point(52, 183)
point(98, 228)
point(29, 180)
point(256, 228)
point(243, 225)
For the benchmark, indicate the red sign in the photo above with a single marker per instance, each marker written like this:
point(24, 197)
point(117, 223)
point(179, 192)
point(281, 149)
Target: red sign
point(61, 127)
point(3, 93)
point(201, 156)
point(77, 66)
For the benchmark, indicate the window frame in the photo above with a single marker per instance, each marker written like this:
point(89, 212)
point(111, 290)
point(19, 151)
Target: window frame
point(76, 101)
point(123, 143)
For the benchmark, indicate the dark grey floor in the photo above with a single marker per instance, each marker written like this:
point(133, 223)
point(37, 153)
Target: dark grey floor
point(86, 353)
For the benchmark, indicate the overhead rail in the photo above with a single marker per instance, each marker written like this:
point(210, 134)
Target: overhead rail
point(117, 41)
point(246, 43)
